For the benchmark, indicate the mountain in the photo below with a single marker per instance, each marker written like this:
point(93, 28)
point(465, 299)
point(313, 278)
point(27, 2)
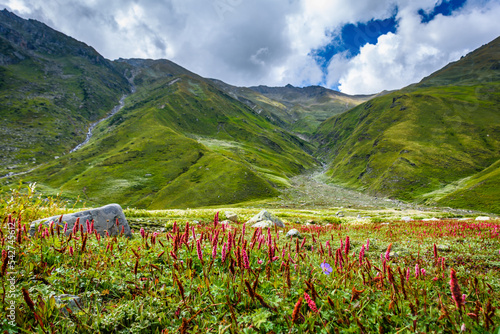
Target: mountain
point(178, 141)
point(51, 88)
point(300, 110)
point(436, 141)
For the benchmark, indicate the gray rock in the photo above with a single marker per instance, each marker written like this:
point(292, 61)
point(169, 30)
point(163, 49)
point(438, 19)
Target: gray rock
point(74, 303)
point(266, 216)
point(263, 224)
point(430, 219)
point(407, 219)
point(293, 233)
point(104, 220)
point(443, 248)
point(483, 218)
point(225, 222)
point(231, 216)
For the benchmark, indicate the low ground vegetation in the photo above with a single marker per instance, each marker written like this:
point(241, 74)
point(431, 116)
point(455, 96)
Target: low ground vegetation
point(337, 277)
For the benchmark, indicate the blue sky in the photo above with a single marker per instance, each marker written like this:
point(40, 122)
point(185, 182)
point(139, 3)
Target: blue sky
point(355, 46)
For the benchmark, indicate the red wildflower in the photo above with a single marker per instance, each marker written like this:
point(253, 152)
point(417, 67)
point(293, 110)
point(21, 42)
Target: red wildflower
point(246, 263)
point(295, 313)
point(198, 250)
point(28, 300)
point(388, 251)
point(311, 303)
point(455, 289)
point(347, 245)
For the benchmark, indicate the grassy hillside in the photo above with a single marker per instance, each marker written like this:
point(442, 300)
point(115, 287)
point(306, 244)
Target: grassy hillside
point(51, 88)
point(300, 110)
point(422, 138)
point(475, 193)
point(179, 142)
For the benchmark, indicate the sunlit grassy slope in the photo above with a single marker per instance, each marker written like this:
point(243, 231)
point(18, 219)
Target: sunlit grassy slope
point(424, 137)
point(179, 142)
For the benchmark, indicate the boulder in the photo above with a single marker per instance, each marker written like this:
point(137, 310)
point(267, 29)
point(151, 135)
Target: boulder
point(293, 233)
point(407, 219)
point(74, 303)
point(263, 224)
point(265, 216)
point(104, 220)
point(231, 216)
point(443, 248)
point(483, 218)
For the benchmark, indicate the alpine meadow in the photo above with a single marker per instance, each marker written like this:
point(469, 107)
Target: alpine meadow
point(139, 197)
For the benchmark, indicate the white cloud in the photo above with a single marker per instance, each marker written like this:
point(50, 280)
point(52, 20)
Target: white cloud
point(417, 49)
point(255, 42)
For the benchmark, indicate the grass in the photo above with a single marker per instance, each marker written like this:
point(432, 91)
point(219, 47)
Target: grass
point(389, 276)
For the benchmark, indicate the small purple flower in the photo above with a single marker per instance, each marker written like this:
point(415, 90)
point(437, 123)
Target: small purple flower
point(327, 269)
point(143, 233)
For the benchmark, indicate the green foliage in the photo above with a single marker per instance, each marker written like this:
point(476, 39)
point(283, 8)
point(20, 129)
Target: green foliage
point(156, 283)
point(25, 202)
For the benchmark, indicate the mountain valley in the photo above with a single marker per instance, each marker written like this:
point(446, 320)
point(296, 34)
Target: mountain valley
point(184, 141)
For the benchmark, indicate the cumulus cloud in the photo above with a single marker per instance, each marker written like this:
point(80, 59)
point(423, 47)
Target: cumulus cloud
point(416, 50)
point(255, 42)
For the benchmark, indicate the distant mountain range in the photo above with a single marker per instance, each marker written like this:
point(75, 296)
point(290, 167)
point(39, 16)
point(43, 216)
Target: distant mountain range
point(181, 140)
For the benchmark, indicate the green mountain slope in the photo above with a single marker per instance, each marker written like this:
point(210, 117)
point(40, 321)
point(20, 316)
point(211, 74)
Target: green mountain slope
point(420, 139)
point(300, 110)
point(51, 88)
point(179, 142)
point(476, 192)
